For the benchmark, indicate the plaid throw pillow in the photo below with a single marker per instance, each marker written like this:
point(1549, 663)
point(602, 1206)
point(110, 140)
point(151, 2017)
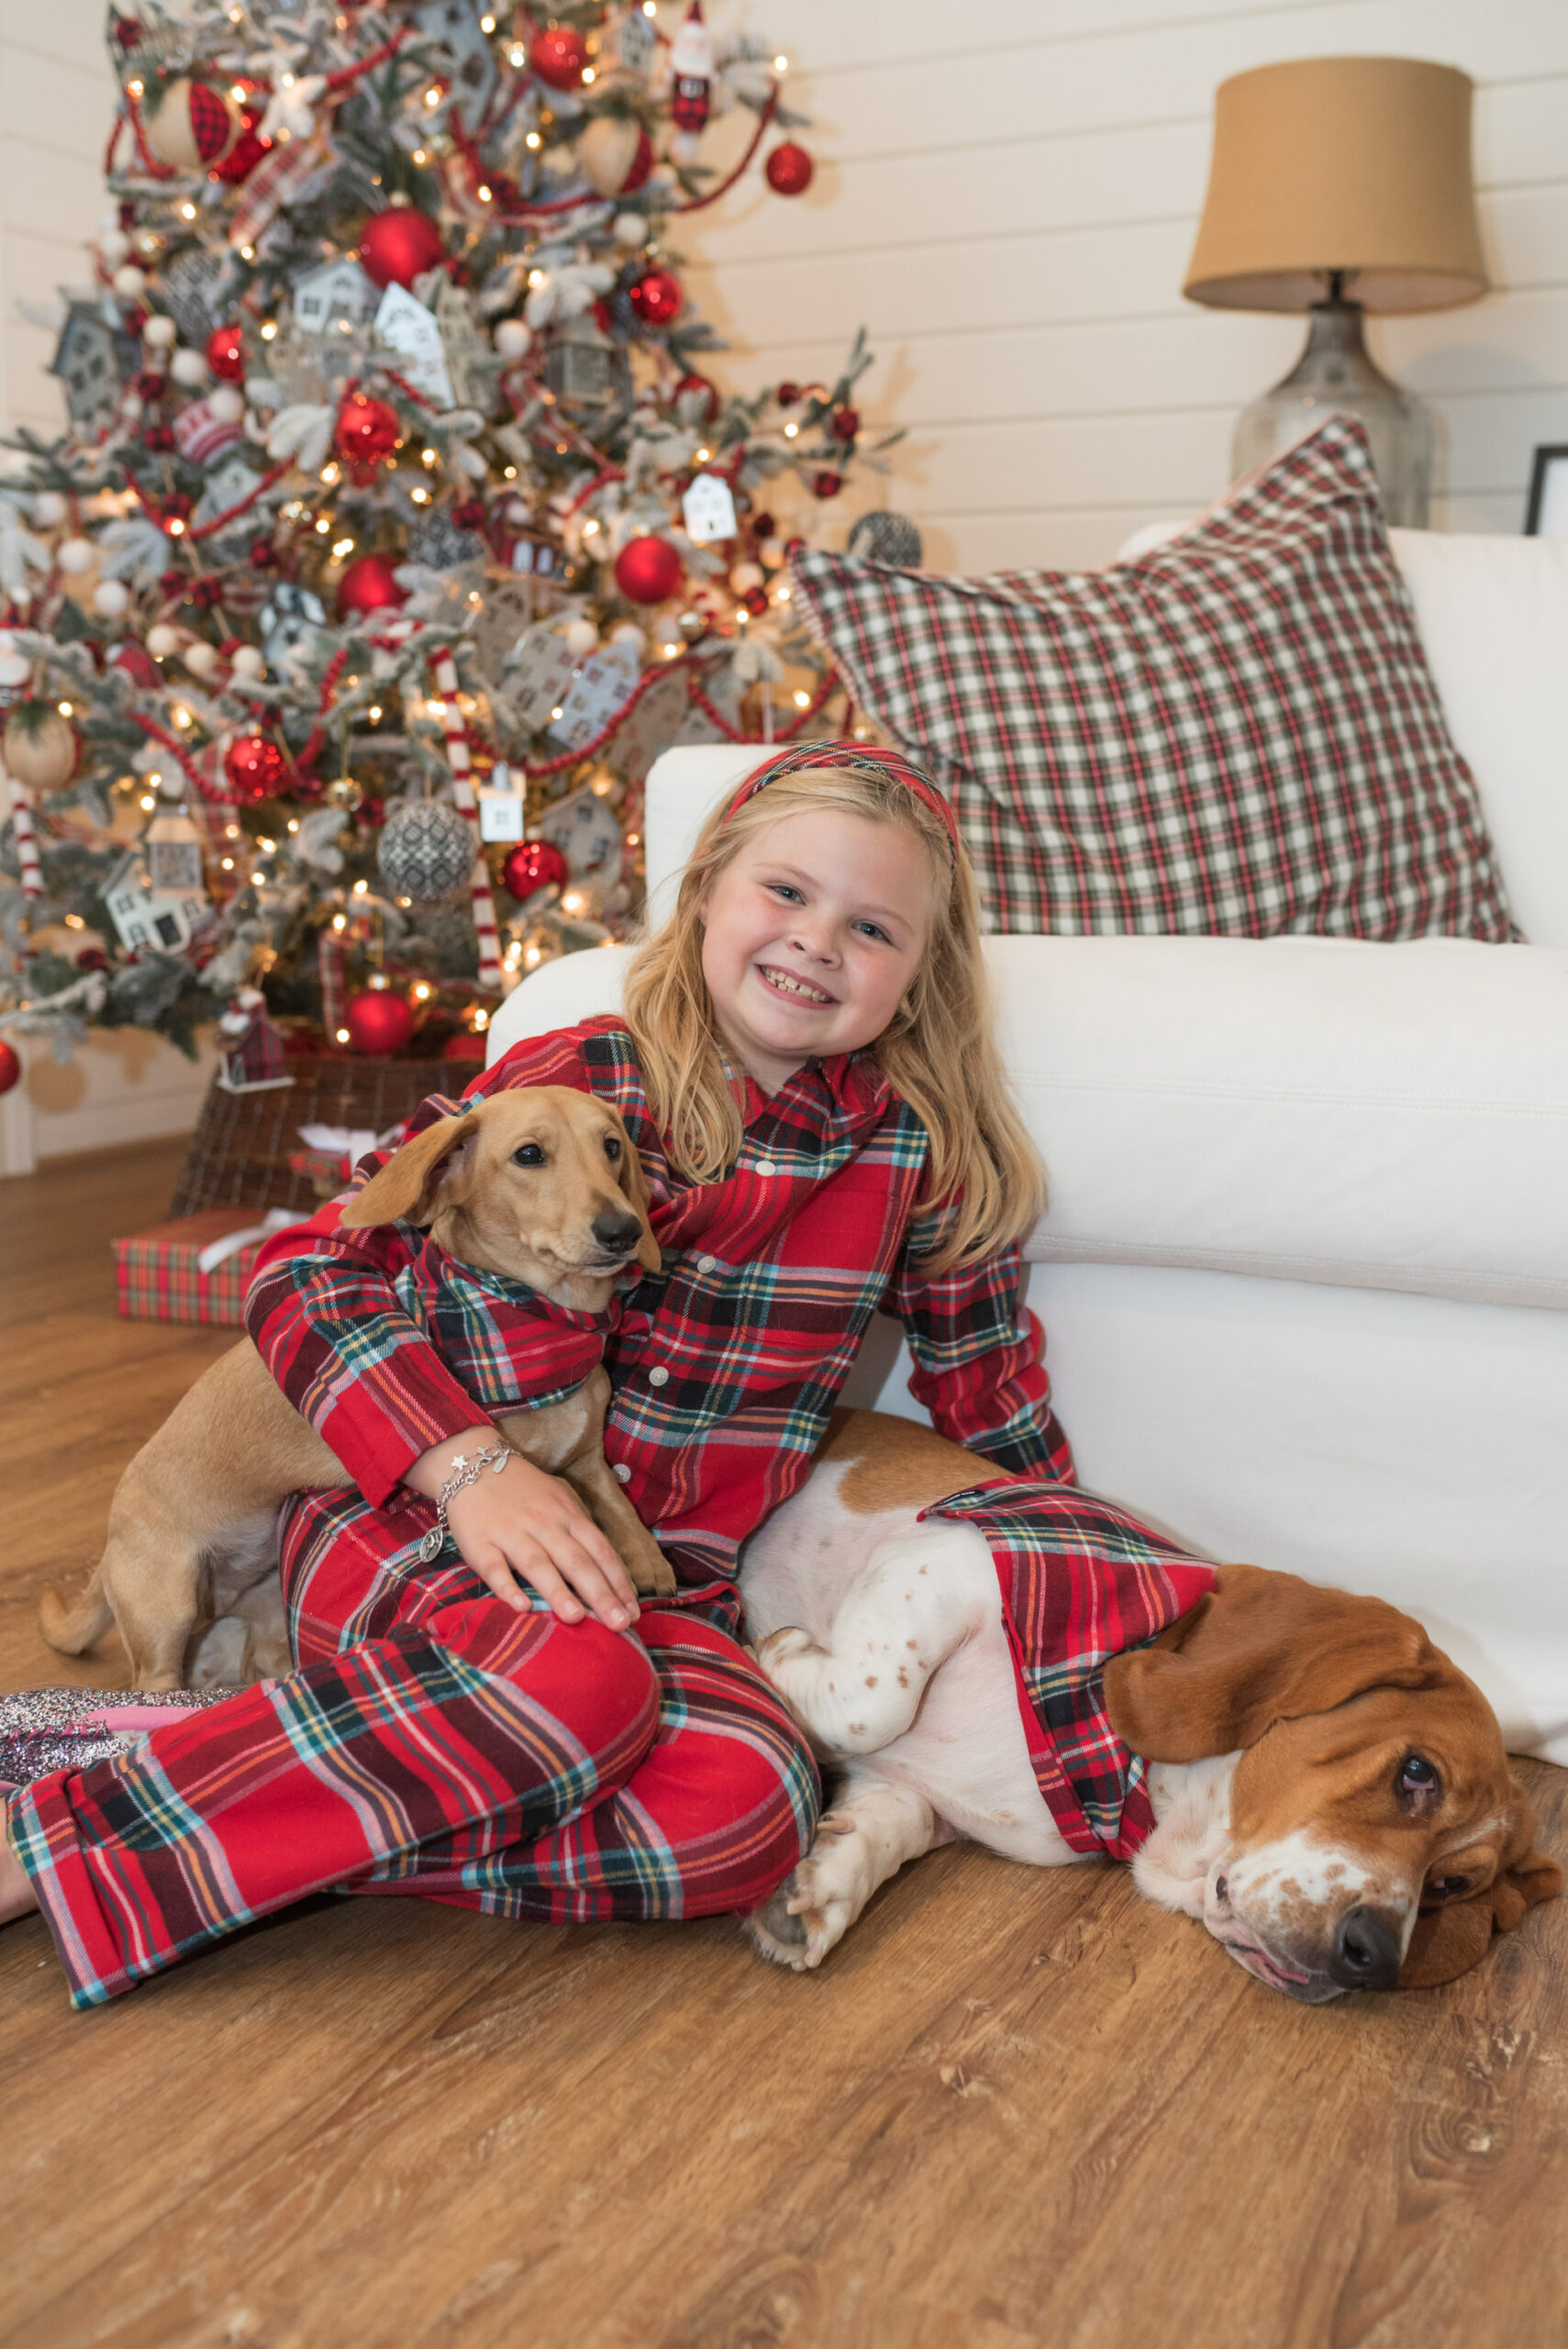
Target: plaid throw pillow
point(1237, 736)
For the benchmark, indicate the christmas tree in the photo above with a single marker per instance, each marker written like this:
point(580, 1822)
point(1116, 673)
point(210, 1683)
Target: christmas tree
point(396, 528)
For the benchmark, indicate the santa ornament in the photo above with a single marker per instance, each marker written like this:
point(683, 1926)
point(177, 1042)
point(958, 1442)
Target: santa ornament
point(691, 84)
point(252, 1048)
point(194, 126)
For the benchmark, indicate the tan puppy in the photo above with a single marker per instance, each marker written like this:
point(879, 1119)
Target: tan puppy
point(540, 1184)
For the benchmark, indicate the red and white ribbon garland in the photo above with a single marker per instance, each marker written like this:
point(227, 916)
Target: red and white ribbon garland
point(25, 838)
point(483, 903)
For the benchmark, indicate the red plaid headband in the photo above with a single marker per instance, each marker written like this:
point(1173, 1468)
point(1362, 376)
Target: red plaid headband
point(868, 756)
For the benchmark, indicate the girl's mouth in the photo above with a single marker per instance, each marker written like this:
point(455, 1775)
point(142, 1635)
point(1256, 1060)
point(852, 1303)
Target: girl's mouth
point(784, 982)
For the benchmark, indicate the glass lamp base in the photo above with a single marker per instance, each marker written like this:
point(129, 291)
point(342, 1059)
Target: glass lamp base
point(1334, 376)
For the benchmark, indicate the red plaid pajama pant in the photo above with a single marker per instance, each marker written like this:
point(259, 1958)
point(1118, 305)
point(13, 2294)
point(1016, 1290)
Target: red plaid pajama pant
point(433, 1741)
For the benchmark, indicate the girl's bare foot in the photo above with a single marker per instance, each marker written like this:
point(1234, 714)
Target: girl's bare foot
point(18, 1897)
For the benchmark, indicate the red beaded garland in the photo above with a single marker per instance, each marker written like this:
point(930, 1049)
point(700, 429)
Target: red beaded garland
point(825, 484)
point(254, 766)
point(226, 355)
point(378, 1022)
point(366, 430)
point(396, 246)
point(844, 423)
point(533, 864)
point(788, 170)
point(557, 55)
point(657, 297)
point(368, 585)
point(648, 569)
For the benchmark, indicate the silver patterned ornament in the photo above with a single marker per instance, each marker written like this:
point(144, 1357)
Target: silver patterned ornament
point(427, 849)
point(881, 537)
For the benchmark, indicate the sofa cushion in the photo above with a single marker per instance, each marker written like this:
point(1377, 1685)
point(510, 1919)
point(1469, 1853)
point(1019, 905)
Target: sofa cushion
point(1313, 1110)
point(1237, 735)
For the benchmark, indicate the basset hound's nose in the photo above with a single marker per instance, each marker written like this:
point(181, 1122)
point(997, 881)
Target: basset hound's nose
point(616, 1234)
point(1366, 1952)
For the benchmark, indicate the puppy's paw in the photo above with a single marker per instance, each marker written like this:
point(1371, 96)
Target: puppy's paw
point(781, 1647)
point(807, 1916)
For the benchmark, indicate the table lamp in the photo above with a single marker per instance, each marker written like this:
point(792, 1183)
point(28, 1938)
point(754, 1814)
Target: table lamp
point(1339, 185)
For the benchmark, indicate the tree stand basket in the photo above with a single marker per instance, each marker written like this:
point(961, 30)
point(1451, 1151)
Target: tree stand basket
point(239, 1153)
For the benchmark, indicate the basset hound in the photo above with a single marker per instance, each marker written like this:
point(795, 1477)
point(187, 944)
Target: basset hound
point(1026, 1665)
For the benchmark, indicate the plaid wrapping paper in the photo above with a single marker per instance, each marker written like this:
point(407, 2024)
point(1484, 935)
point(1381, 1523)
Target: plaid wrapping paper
point(327, 1171)
point(1081, 1582)
point(157, 1277)
point(1236, 736)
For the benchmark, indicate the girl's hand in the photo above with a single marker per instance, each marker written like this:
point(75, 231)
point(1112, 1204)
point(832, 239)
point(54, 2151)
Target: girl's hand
point(525, 1526)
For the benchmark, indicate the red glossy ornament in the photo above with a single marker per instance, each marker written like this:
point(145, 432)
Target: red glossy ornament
point(137, 664)
point(557, 55)
point(368, 585)
point(756, 601)
point(827, 485)
point(787, 395)
point(788, 170)
point(378, 1022)
point(533, 864)
point(657, 297)
point(366, 431)
point(254, 767)
point(11, 1065)
point(844, 423)
point(464, 1047)
point(648, 569)
point(226, 355)
point(697, 389)
point(396, 246)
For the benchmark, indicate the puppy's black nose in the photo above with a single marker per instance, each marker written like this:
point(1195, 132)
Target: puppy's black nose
point(1366, 1952)
point(618, 1235)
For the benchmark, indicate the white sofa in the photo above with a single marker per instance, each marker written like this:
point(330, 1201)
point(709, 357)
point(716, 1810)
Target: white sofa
point(1304, 1276)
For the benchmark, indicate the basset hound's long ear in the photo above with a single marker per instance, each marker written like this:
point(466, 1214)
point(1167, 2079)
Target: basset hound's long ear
point(405, 1190)
point(639, 1198)
point(1259, 1648)
point(1449, 1940)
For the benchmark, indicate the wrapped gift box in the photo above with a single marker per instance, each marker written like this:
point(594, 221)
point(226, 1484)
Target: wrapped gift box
point(327, 1171)
point(158, 1275)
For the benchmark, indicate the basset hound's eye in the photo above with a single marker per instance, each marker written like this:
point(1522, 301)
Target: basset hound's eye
point(1446, 1887)
point(528, 1154)
point(612, 1149)
point(1417, 1782)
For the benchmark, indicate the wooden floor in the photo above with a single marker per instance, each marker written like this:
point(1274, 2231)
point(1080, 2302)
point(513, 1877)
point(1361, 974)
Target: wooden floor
point(1016, 2107)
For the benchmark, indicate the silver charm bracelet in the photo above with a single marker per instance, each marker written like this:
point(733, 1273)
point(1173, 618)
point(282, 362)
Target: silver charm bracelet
point(467, 1468)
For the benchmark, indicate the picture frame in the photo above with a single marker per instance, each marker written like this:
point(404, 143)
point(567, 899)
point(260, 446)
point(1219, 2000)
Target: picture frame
point(1546, 515)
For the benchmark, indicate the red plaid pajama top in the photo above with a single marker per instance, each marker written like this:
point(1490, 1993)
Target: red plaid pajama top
point(726, 1362)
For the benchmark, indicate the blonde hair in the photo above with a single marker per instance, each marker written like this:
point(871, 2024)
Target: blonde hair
point(938, 1052)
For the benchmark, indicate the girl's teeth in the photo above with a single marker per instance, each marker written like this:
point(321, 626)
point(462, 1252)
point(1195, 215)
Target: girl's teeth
point(794, 986)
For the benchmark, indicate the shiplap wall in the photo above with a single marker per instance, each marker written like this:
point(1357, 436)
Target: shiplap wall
point(1007, 194)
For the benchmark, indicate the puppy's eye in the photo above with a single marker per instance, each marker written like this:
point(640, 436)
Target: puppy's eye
point(1417, 1776)
point(612, 1148)
point(530, 1155)
point(1447, 1888)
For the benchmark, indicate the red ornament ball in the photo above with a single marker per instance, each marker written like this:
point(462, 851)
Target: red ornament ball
point(648, 569)
point(378, 1022)
point(226, 355)
point(533, 864)
point(788, 170)
point(844, 423)
point(366, 431)
point(827, 485)
point(557, 56)
point(254, 766)
point(11, 1065)
point(703, 395)
point(756, 601)
point(787, 395)
point(657, 297)
point(368, 585)
point(396, 246)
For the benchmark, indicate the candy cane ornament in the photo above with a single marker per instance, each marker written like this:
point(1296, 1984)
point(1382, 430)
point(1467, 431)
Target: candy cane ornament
point(24, 836)
point(491, 974)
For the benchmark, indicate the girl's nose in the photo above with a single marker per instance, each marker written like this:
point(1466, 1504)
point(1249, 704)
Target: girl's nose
point(815, 941)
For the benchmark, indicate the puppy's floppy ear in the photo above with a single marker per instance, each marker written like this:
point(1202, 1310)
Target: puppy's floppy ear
point(1448, 1941)
point(1259, 1648)
point(639, 1197)
point(405, 1190)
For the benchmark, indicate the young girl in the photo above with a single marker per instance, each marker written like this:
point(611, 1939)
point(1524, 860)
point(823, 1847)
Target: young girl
point(804, 1061)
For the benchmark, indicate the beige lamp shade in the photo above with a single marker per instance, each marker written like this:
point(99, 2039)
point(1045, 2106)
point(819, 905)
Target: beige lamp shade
point(1353, 163)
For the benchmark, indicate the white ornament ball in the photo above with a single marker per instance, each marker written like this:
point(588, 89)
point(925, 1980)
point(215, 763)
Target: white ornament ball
point(248, 661)
point(745, 576)
point(49, 509)
point(14, 670)
point(111, 597)
point(631, 229)
point(772, 552)
point(130, 282)
point(171, 782)
point(75, 555)
point(114, 245)
point(512, 339)
point(227, 404)
point(582, 637)
point(426, 851)
point(162, 640)
point(628, 633)
point(159, 333)
point(201, 658)
point(188, 367)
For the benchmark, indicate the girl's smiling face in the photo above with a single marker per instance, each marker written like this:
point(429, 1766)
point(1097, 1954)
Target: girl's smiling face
point(813, 931)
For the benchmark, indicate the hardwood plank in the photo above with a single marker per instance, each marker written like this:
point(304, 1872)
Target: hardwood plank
point(1016, 2108)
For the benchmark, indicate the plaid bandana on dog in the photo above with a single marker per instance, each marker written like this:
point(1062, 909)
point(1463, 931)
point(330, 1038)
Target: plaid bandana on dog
point(1081, 1582)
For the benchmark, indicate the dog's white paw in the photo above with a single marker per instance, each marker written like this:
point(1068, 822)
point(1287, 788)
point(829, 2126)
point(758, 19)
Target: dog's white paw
point(781, 1647)
point(816, 1904)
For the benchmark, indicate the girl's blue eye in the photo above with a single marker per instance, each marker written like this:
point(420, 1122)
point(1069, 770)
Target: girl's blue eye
point(782, 889)
point(874, 930)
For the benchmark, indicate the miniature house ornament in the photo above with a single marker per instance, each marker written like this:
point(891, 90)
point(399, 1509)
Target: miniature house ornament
point(252, 1048)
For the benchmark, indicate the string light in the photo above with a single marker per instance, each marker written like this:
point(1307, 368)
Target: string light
point(419, 156)
point(420, 993)
point(341, 921)
point(340, 1034)
point(516, 54)
point(362, 888)
point(484, 194)
point(65, 709)
point(269, 329)
point(177, 528)
point(427, 456)
point(803, 701)
point(294, 823)
point(433, 97)
point(533, 140)
point(148, 802)
point(341, 547)
point(781, 65)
